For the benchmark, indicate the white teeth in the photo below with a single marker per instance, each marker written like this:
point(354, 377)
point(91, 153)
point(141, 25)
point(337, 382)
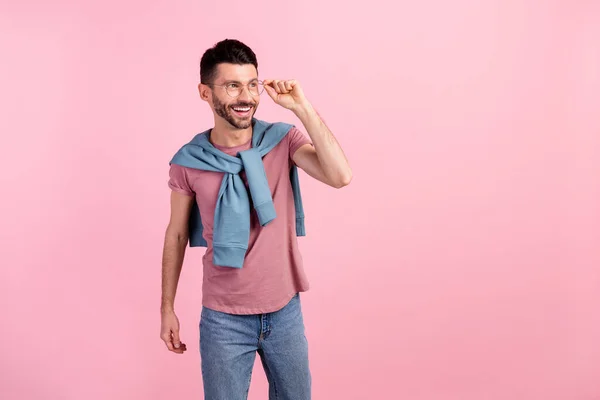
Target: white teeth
point(242, 109)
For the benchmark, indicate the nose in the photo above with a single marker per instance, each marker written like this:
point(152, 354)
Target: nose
point(245, 94)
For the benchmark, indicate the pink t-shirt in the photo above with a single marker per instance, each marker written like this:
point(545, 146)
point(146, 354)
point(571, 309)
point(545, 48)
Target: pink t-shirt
point(272, 272)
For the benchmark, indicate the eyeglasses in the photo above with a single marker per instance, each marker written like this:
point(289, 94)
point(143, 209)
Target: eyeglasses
point(234, 89)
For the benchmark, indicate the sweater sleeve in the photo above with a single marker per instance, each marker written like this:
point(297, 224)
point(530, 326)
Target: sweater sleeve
point(178, 180)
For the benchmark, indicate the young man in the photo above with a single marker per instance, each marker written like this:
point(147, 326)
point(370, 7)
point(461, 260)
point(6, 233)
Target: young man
point(252, 269)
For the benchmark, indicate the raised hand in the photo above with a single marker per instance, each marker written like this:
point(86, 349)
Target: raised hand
point(286, 93)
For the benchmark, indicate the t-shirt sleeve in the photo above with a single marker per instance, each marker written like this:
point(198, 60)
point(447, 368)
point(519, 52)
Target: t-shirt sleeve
point(297, 140)
point(178, 180)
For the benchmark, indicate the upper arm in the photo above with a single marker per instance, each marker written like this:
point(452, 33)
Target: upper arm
point(304, 155)
point(181, 206)
point(182, 198)
point(306, 158)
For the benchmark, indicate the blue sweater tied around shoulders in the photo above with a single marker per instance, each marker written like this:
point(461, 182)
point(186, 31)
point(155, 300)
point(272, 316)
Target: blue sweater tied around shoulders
point(231, 230)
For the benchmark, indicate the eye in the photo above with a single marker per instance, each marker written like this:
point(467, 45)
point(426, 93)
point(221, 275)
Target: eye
point(253, 84)
point(232, 86)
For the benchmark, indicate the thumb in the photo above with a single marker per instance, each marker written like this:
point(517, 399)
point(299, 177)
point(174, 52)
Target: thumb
point(271, 92)
point(176, 340)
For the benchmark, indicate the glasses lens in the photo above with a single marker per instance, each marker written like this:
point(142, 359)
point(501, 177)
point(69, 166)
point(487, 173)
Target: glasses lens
point(255, 88)
point(233, 90)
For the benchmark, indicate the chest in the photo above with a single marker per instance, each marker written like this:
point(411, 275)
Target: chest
point(206, 184)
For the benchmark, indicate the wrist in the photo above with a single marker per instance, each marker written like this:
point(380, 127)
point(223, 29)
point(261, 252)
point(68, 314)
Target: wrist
point(167, 309)
point(304, 110)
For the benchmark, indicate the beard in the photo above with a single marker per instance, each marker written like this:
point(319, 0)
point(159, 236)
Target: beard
point(224, 111)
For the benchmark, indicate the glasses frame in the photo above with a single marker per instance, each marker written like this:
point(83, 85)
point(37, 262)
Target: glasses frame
point(244, 85)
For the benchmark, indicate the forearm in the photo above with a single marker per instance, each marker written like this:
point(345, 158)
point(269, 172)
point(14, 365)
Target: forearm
point(331, 156)
point(173, 254)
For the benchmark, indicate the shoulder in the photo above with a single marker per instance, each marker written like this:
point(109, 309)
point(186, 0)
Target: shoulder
point(178, 170)
point(280, 126)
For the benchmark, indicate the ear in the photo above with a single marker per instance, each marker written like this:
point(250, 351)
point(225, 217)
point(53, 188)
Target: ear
point(204, 91)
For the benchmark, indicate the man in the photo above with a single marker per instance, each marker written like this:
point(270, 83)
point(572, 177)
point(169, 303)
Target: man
point(252, 307)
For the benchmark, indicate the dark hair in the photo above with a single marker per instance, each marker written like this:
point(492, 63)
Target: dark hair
point(226, 51)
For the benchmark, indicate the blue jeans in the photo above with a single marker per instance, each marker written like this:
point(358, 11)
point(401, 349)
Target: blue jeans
point(228, 347)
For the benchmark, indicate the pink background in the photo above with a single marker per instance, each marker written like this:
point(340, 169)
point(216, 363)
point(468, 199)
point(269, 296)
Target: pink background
point(462, 263)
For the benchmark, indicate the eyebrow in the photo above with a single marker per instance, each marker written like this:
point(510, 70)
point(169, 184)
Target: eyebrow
point(251, 80)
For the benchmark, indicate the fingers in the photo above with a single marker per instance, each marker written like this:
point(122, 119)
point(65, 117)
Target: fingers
point(176, 341)
point(270, 91)
point(289, 85)
point(279, 86)
point(181, 349)
point(174, 345)
point(166, 337)
point(177, 346)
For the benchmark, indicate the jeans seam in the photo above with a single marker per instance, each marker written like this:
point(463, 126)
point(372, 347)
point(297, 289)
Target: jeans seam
point(249, 380)
point(275, 389)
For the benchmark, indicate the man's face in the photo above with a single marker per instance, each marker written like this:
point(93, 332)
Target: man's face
point(237, 111)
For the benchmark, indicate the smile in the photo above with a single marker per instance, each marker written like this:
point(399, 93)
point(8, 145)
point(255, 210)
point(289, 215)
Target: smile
point(242, 111)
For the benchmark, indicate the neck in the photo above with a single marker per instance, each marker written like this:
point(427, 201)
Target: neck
point(223, 134)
